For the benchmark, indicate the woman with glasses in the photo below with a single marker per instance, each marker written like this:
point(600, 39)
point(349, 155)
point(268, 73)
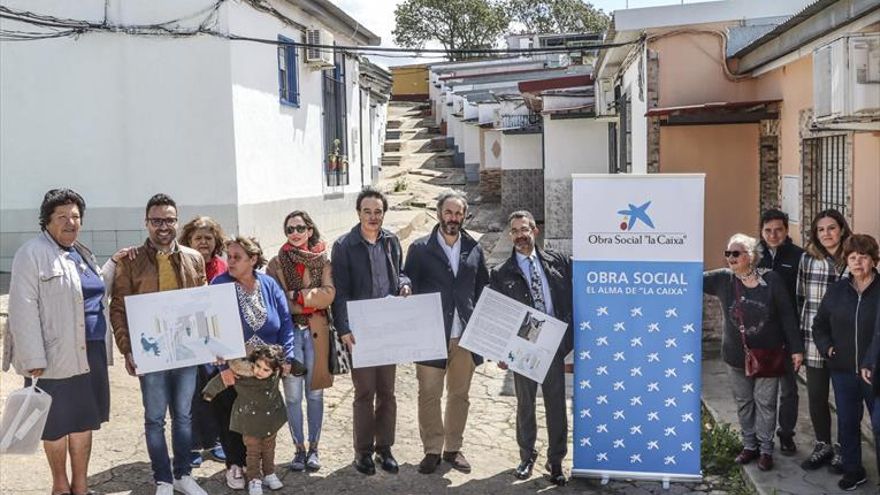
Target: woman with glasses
point(821, 266)
point(843, 331)
point(758, 323)
point(302, 268)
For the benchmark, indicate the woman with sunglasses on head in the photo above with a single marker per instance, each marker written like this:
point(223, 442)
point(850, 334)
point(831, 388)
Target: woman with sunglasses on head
point(302, 268)
point(843, 331)
point(820, 267)
point(758, 324)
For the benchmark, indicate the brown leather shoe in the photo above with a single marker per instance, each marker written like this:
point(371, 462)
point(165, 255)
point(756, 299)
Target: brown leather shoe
point(746, 456)
point(458, 461)
point(429, 463)
point(765, 463)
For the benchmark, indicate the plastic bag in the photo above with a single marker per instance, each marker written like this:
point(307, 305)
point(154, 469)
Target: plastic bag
point(23, 420)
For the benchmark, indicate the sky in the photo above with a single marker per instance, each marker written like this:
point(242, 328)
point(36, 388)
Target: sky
point(378, 17)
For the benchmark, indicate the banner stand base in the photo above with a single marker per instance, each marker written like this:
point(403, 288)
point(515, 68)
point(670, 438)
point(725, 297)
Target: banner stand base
point(666, 483)
point(665, 478)
point(605, 479)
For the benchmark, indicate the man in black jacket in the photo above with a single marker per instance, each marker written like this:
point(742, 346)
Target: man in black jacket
point(367, 265)
point(451, 262)
point(540, 279)
point(783, 257)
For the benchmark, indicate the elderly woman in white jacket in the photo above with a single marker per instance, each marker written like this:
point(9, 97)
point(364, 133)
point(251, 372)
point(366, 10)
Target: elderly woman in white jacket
point(59, 334)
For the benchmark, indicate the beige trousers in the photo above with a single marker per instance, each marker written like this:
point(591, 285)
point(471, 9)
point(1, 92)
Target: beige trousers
point(443, 432)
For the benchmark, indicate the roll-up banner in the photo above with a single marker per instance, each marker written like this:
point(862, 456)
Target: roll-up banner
point(638, 263)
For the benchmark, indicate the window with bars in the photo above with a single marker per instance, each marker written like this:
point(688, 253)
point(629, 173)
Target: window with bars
point(335, 123)
point(825, 175)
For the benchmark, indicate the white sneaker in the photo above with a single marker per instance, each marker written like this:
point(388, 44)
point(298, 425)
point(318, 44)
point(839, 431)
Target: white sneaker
point(255, 487)
point(163, 488)
point(235, 478)
point(188, 486)
point(273, 482)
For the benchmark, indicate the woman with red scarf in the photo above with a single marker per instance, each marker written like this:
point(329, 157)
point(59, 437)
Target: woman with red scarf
point(302, 267)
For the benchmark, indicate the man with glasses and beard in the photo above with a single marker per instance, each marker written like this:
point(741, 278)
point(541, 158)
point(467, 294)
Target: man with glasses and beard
point(540, 279)
point(451, 262)
point(161, 264)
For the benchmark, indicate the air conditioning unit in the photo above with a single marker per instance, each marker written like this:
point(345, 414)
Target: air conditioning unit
point(317, 57)
point(604, 91)
point(846, 79)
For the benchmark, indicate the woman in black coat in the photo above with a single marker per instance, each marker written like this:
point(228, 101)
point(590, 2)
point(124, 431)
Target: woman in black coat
point(843, 331)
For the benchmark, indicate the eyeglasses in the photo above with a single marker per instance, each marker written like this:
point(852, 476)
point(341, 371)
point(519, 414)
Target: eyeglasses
point(521, 230)
point(733, 254)
point(299, 229)
point(158, 222)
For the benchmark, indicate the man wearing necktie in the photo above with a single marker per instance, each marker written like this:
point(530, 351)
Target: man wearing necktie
point(540, 279)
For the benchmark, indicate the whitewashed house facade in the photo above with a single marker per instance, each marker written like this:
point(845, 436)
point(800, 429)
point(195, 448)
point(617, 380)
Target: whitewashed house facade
point(239, 130)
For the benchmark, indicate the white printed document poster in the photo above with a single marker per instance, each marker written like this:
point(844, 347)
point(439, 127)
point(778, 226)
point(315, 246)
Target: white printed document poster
point(185, 327)
point(397, 330)
point(508, 331)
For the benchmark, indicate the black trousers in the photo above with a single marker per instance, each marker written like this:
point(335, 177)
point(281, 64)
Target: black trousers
point(788, 401)
point(555, 411)
point(233, 444)
point(818, 386)
point(204, 423)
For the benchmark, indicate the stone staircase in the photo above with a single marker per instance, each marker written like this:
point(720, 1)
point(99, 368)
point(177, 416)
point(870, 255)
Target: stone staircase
point(413, 141)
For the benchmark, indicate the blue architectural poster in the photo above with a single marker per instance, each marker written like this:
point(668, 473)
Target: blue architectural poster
point(638, 262)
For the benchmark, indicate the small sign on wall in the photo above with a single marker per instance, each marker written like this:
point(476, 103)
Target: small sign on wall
point(791, 197)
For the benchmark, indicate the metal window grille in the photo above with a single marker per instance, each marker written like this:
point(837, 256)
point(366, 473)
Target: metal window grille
point(335, 121)
point(825, 172)
point(624, 106)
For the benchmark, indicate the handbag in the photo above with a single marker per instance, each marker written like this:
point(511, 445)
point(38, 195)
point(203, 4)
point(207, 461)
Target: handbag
point(759, 363)
point(339, 355)
point(23, 420)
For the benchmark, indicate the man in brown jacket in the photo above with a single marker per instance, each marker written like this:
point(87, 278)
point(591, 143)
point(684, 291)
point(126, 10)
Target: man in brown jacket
point(161, 264)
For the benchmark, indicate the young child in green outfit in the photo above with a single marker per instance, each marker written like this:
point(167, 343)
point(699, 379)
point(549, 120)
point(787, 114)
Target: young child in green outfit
point(257, 413)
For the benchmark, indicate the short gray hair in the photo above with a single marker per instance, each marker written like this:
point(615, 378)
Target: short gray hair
point(753, 247)
point(451, 195)
point(522, 214)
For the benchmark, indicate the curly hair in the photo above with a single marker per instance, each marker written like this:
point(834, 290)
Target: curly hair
point(752, 245)
point(59, 197)
point(272, 354)
point(251, 247)
point(862, 244)
point(207, 223)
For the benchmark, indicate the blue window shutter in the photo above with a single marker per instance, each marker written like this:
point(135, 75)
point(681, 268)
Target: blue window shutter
point(293, 76)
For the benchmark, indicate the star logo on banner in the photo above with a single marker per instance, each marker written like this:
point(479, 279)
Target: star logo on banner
point(653, 416)
point(602, 311)
point(670, 372)
point(688, 358)
point(654, 357)
point(618, 356)
point(653, 328)
point(618, 386)
point(653, 445)
point(602, 457)
point(618, 415)
point(669, 460)
point(672, 313)
point(618, 444)
point(687, 446)
point(635, 312)
point(619, 327)
point(585, 442)
point(585, 413)
point(584, 355)
point(687, 388)
point(585, 384)
point(689, 328)
point(653, 387)
point(687, 418)
point(670, 431)
point(603, 428)
point(635, 401)
point(671, 343)
point(635, 342)
point(635, 430)
point(637, 371)
point(602, 399)
point(585, 325)
point(635, 458)
point(601, 341)
point(602, 370)
point(670, 402)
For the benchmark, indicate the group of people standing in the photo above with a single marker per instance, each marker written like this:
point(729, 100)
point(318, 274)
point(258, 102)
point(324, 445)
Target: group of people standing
point(785, 307)
point(65, 310)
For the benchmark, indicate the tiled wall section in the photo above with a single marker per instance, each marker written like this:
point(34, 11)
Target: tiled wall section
point(523, 190)
point(490, 185)
point(557, 205)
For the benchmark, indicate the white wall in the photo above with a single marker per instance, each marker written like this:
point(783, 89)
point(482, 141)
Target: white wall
point(574, 146)
point(521, 151)
point(638, 121)
point(471, 143)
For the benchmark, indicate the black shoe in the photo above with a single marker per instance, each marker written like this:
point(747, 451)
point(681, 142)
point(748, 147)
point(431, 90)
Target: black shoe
point(387, 461)
point(836, 466)
point(429, 463)
point(787, 445)
point(364, 464)
point(524, 470)
point(556, 477)
point(851, 481)
point(822, 453)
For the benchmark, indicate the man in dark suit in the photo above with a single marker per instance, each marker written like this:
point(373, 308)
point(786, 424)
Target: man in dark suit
point(451, 262)
point(540, 279)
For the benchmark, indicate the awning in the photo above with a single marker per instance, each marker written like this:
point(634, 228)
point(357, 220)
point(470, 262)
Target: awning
point(736, 112)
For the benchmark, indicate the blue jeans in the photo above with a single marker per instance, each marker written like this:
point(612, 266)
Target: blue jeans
point(162, 391)
point(297, 386)
point(851, 395)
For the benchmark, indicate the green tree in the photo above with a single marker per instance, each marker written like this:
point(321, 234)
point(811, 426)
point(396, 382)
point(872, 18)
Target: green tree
point(455, 24)
point(557, 16)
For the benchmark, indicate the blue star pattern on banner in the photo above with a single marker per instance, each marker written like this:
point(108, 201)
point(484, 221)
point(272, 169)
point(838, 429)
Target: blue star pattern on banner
point(637, 368)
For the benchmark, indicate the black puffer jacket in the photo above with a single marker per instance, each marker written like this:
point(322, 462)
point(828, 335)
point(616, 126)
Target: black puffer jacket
point(846, 321)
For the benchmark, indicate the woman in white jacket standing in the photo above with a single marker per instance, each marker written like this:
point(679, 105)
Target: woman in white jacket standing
point(58, 333)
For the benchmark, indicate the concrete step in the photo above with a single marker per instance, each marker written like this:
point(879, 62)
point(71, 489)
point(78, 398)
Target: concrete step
point(438, 143)
point(389, 160)
point(392, 146)
point(393, 124)
point(393, 134)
